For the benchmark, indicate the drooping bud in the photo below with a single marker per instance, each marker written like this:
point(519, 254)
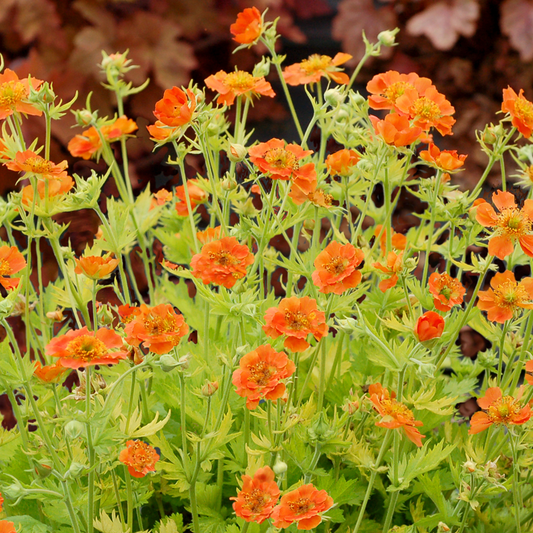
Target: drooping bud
point(74, 428)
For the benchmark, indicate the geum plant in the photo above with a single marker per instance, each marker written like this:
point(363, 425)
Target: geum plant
point(210, 403)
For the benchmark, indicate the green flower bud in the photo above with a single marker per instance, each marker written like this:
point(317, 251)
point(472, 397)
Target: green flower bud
point(209, 388)
point(388, 37)
point(75, 470)
point(74, 428)
point(262, 68)
point(279, 467)
point(334, 97)
point(168, 363)
point(236, 152)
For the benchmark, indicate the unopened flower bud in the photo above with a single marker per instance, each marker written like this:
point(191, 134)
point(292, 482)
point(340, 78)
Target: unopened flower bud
point(357, 99)
point(75, 470)
point(228, 184)
point(334, 97)
point(55, 316)
point(309, 224)
point(469, 466)
point(14, 491)
point(209, 388)
point(347, 325)
point(42, 469)
point(84, 117)
point(280, 467)
point(262, 69)
point(184, 361)
point(168, 363)
point(387, 38)
point(350, 407)
point(105, 316)
point(73, 429)
point(236, 152)
point(442, 527)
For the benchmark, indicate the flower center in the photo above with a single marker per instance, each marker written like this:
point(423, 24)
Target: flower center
point(240, 81)
point(280, 158)
point(320, 198)
point(427, 109)
point(523, 109)
point(255, 500)
point(86, 348)
point(315, 63)
point(260, 373)
point(139, 456)
point(514, 223)
point(296, 321)
point(11, 93)
point(396, 409)
point(5, 267)
point(301, 506)
point(223, 258)
point(510, 294)
point(337, 265)
point(38, 165)
point(158, 325)
point(394, 91)
point(503, 410)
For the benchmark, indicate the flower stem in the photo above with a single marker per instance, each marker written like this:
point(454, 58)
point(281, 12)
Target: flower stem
point(382, 451)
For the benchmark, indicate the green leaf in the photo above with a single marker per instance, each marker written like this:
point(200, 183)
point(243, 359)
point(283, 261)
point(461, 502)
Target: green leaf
point(27, 524)
point(107, 524)
point(422, 461)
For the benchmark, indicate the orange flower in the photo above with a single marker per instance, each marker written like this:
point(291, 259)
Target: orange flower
point(127, 313)
point(162, 196)
point(428, 110)
point(258, 496)
point(1, 503)
point(336, 268)
point(394, 414)
point(32, 163)
point(196, 196)
point(11, 262)
point(520, 109)
point(398, 240)
point(529, 372)
point(176, 108)
point(394, 265)
point(85, 144)
point(296, 318)
point(159, 328)
point(210, 234)
point(238, 83)
point(222, 262)
point(310, 70)
point(281, 161)
point(95, 267)
point(446, 291)
point(81, 348)
point(445, 160)
point(14, 94)
point(139, 457)
point(50, 373)
point(511, 224)
point(88, 143)
point(248, 26)
point(56, 187)
point(302, 506)
point(260, 373)
point(320, 198)
point(429, 326)
point(342, 162)
point(498, 409)
point(505, 297)
point(160, 132)
point(396, 129)
point(386, 88)
point(5, 526)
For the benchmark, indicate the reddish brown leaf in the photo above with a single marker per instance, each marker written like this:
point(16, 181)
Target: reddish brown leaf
point(356, 16)
point(442, 23)
point(36, 17)
point(517, 23)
